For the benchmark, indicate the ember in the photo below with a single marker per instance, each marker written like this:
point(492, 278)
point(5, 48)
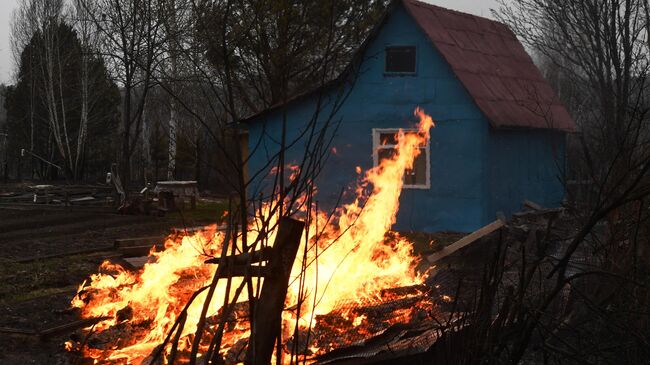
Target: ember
point(359, 282)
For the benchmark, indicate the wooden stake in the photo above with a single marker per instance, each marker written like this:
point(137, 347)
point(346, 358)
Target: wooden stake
point(267, 319)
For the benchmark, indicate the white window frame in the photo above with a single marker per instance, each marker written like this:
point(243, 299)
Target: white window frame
point(376, 146)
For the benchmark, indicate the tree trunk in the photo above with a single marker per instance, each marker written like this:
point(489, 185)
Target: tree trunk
point(171, 164)
point(125, 155)
point(172, 30)
point(146, 146)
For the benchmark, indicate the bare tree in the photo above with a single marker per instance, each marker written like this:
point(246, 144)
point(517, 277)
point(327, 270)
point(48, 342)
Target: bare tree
point(577, 286)
point(88, 37)
point(603, 47)
point(42, 18)
point(177, 74)
point(130, 34)
point(44, 30)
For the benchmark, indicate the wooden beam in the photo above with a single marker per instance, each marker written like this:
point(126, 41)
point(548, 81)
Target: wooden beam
point(245, 258)
point(137, 251)
point(470, 238)
point(18, 332)
point(73, 326)
point(64, 254)
point(267, 316)
point(532, 205)
point(53, 331)
point(137, 241)
point(242, 271)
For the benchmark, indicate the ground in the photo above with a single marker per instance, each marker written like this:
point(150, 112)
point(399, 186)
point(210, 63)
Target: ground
point(46, 252)
point(39, 270)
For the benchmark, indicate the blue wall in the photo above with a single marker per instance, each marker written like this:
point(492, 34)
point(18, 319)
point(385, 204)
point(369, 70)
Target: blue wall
point(525, 164)
point(468, 184)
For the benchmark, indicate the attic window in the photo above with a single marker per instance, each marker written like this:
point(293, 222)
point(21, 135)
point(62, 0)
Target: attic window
point(384, 143)
point(400, 60)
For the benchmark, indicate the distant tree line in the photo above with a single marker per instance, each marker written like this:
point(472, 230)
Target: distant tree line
point(159, 86)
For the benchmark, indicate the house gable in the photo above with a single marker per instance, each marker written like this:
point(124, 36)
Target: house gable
point(494, 67)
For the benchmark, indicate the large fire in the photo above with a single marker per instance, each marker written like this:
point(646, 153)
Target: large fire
point(350, 263)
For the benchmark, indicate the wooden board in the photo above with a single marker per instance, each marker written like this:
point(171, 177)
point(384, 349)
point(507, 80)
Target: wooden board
point(138, 251)
point(138, 241)
point(64, 254)
point(532, 205)
point(267, 318)
point(53, 331)
point(472, 237)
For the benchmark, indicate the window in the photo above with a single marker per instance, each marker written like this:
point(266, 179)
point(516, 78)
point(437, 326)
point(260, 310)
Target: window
point(384, 144)
point(400, 60)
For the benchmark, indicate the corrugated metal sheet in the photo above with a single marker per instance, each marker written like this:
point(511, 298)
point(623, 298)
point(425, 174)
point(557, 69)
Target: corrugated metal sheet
point(494, 68)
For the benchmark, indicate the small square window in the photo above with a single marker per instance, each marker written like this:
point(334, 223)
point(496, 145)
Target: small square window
point(400, 59)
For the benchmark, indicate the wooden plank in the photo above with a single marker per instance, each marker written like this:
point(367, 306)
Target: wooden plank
point(267, 313)
point(470, 238)
point(138, 241)
point(187, 230)
point(83, 199)
point(135, 263)
point(69, 327)
point(532, 205)
point(240, 271)
point(17, 332)
point(242, 259)
point(65, 254)
point(137, 251)
point(53, 331)
point(78, 208)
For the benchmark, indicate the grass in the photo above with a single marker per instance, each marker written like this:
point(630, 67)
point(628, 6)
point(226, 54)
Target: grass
point(24, 281)
point(206, 212)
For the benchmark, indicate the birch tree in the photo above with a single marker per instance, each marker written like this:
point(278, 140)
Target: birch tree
point(172, 30)
point(88, 37)
point(66, 81)
point(42, 18)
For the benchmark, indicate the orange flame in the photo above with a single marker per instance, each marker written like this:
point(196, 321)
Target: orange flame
point(351, 260)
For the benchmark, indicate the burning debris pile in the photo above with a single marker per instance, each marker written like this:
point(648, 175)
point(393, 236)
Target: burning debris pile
point(349, 282)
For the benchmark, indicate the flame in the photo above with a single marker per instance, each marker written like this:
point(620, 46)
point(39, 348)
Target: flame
point(342, 264)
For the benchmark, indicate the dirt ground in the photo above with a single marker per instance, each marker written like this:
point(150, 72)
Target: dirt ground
point(40, 272)
point(47, 252)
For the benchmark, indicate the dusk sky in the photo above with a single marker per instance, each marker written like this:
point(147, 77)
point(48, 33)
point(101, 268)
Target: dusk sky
point(478, 7)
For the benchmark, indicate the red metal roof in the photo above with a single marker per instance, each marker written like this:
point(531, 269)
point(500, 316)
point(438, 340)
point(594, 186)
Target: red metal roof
point(494, 67)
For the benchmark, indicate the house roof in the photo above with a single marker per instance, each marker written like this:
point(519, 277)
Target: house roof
point(491, 64)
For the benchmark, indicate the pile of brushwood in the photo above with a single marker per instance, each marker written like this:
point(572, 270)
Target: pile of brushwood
point(551, 286)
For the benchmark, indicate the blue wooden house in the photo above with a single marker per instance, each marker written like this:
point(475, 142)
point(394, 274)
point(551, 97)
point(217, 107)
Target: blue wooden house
point(501, 130)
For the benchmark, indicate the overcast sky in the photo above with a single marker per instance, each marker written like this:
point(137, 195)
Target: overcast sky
point(478, 7)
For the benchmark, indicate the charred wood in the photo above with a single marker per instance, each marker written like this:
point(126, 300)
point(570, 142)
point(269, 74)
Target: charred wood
point(267, 319)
